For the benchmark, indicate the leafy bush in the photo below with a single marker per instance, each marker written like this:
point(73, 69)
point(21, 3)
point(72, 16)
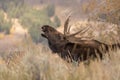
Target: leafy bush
point(34, 17)
point(50, 10)
point(14, 8)
point(16, 12)
point(33, 20)
point(4, 25)
point(35, 34)
point(57, 21)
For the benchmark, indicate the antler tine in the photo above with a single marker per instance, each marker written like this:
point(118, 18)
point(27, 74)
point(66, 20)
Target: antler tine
point(66, 25)
point(68, 31)
point(84, 30)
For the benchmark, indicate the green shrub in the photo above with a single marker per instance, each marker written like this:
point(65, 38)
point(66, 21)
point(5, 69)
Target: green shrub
point(35, 34)
point(57, 21)
point(1, 16)
point(33, 20)
point(16, 12)
point(4, 25)
point(14, 8)
point(50, 10)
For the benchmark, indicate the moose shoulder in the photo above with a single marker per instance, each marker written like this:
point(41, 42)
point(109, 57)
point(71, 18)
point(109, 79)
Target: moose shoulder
point(74, 48)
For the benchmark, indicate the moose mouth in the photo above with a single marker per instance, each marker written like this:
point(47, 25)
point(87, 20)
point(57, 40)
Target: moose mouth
point(43, 33)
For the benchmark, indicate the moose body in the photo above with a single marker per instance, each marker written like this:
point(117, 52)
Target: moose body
point(73, 48)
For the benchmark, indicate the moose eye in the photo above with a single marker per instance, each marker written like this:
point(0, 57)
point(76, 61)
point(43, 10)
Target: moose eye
point(43, 29)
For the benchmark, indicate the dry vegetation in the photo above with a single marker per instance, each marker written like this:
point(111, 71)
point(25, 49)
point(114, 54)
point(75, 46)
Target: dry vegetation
point(40, 64)
point(36, 62)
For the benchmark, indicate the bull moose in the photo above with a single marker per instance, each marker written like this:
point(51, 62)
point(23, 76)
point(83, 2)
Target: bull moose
point(68, 46)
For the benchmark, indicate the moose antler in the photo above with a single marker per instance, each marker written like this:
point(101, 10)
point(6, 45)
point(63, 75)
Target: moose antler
point(67, 32)
point(66, 24)
point(67, 29)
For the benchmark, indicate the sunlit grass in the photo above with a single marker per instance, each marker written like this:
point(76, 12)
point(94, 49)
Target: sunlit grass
point(36, 62)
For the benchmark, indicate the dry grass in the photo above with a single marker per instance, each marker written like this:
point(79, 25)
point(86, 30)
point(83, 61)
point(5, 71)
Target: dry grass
point(38, 63)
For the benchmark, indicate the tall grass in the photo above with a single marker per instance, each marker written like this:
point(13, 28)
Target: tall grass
point(37, 62)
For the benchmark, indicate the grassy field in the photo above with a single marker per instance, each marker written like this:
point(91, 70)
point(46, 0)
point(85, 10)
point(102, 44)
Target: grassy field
point(28, 61)
point(36, 62)
point(21, 59)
